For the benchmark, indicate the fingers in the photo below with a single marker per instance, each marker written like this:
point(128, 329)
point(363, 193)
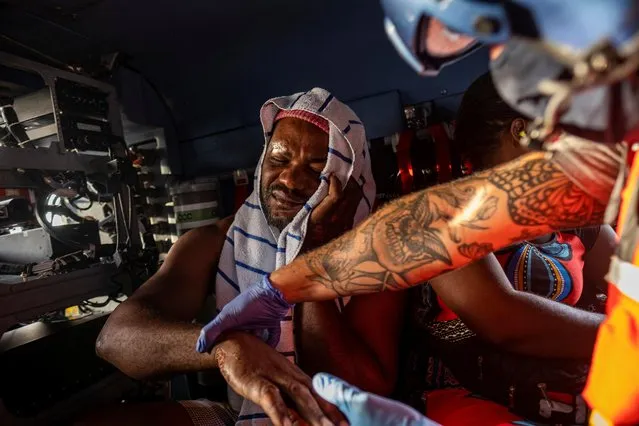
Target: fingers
point(331, 411)
point(334, 188)
point(296, 418)
point(352, 197)
point(268, 396)
point(274, 336)
point(326, 207)
point(307, 405)
point(260, 307)
point(366, 408)
point(335, 391)
point(298, 390)
point(224, 321)
point(208, 336)
point(353, 188)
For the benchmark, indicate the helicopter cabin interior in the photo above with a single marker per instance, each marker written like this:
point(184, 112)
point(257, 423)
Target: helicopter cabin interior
point(118, 115)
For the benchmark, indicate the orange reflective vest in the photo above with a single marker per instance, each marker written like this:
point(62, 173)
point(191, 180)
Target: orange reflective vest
point(613, 385)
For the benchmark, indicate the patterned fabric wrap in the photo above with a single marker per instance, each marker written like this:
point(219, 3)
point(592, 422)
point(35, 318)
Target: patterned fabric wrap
point(613, 384)
point(552, 270)
point(253, 248)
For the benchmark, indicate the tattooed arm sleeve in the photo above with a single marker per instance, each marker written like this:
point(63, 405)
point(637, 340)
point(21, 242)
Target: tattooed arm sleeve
point(424, 234)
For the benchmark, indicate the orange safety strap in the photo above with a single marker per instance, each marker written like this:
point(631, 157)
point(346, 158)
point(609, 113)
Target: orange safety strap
point(631, 183)
point(613, 385)
point(632, 139)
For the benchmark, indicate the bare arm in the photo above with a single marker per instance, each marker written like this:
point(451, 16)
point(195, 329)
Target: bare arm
point(422, 235)
point(516, 321)
point(359, 345)
point(151, 333)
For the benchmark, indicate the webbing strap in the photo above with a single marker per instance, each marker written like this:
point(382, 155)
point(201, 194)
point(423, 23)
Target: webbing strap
point(625, 277)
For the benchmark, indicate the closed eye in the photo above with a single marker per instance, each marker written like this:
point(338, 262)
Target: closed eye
point(278, 161)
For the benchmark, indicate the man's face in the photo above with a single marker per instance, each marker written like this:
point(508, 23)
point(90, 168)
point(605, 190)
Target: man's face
point(294, 160)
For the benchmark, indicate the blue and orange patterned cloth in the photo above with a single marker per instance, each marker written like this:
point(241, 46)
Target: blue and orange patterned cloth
point(552, 269)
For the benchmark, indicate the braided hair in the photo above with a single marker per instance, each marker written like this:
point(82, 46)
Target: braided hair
point(483, 119)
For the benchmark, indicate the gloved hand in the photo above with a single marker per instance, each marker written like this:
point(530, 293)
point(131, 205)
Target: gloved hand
point(366, 409)
point(259, 309)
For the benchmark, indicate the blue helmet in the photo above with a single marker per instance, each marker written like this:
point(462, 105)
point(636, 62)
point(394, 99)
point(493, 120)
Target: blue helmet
point(561, 57)
point(430, 34)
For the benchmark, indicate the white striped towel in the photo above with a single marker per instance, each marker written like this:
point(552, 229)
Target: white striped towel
point(253, 248)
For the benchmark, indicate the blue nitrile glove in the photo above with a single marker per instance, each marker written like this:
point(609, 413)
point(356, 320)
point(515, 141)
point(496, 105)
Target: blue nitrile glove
point(366, 409)
point(259, 309)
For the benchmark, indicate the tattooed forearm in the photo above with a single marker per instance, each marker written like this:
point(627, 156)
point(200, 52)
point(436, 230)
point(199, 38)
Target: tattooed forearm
point(539, 193)
point(350, 262)
point(421, 235)
point(404, 234)
point(475, 250)
point(336, 262)
point(455, 196)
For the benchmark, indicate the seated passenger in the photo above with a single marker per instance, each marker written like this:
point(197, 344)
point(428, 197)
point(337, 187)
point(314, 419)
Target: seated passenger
point(495, 345)
point(314, 146)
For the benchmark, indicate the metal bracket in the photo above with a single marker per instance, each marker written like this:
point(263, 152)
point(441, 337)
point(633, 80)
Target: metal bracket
point(22, 299)
point(50, 159)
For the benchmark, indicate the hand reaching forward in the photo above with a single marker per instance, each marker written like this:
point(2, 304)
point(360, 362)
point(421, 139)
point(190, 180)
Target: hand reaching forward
point(366, 409)
point(259, 309)
point(265, 377)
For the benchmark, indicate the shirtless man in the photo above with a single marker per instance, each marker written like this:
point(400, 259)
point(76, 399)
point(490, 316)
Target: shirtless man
point(314, 143)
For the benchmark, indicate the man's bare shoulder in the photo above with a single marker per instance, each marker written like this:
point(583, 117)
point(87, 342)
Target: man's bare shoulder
point(189, 246)
point(215, 230)
point(224, 224)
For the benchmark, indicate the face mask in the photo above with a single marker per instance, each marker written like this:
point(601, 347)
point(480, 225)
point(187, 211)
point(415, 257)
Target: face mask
point(520, 68)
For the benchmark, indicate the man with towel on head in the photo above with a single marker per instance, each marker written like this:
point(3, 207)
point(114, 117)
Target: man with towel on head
point(314, 182)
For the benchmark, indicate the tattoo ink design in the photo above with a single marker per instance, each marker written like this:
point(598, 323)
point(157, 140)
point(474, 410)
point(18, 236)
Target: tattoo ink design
point(455, 195)
point(417, 237)
point(539, 193)
point(402, 239)
point(482, 209)
point(475, 250)
point(331, 264)
point(410, 236)
point(594, 167)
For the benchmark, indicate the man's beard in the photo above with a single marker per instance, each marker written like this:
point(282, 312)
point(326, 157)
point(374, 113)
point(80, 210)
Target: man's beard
point(266, 194)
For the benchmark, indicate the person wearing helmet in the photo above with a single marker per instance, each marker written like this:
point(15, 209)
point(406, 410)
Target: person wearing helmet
point(567, 67)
